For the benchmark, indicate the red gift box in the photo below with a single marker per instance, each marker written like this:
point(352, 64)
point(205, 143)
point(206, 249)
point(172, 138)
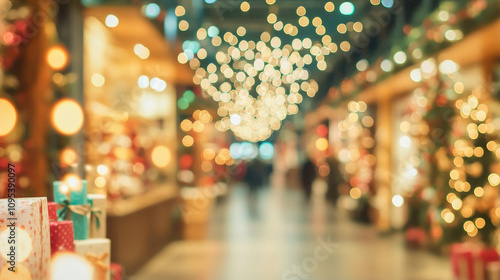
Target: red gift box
point(52, 211)
point(61, 237)
point(116, 271)
point(469, 261)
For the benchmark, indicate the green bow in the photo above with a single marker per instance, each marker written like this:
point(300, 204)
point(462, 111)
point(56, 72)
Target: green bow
point(66, 208)
point(96, 213)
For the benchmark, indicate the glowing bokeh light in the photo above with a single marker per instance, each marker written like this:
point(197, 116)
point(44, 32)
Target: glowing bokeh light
point(57, 57)
point(67, 116)
point(346, 8)
point(8, 117)
point(111, 21)
point(161, 156)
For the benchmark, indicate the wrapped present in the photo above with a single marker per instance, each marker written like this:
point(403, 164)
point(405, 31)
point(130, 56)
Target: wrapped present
point(470, 261)
point(52, 206)
point(97, 252)
point(73, 205)
point(97, 227)
point(493, 270)
point(32, 232)
point(116, 271)
point(61, 237)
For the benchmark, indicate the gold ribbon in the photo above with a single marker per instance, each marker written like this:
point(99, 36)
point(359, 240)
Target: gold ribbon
point(101, 268)
point(66, 208)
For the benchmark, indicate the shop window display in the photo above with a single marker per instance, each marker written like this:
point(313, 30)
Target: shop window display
point(131, 124)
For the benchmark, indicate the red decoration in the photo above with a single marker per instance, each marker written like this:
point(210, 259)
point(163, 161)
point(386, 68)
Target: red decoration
point(52, 211)
point(116, 271)
point(61, 237)
point(468, 259)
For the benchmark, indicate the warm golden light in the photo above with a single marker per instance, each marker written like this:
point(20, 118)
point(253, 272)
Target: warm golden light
point(329, 7)
point(97, 80)
point(72, 181)
point(322, 144)
point(161, 156)
point(102, 169)
point(180, 11)
point(355, 193)
point(188, 141)
point(69, 156)
point(100, 182)
point(57, 57)
point(245, 6)
point(8, 117)
point(67, 116)
point(183, 25)
point(301, 11)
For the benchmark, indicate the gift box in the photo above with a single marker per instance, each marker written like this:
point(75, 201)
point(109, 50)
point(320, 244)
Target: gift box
point(470, 261)
point(116, 271)
point(97, 252)
point(97, 227)
point(32, 259)
point(72, 204)
point(61, 237)
point(52, 207)
point(493, 270)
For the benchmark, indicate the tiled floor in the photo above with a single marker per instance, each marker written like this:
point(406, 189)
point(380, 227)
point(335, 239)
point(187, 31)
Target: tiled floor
point(276, 235)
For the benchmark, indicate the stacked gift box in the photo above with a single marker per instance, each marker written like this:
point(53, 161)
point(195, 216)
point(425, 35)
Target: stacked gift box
point(472, 261)
point(87, 213)
point(58, 239)
point(31, 257)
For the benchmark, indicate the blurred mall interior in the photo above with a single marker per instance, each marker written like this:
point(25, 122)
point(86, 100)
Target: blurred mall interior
point(256, 139)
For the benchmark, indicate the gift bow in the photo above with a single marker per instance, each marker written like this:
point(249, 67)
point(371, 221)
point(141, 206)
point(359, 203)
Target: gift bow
point(96, 213)
point(98, 262)
point(83, 210)
point(66, 209)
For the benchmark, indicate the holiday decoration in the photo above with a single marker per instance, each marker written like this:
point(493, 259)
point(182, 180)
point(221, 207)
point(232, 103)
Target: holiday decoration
point(31, 252)
point(116, 271)
point(97, 252)
point(52, 209)
point(470, 261)
point(61, 237)
point(97, 227)
point(71, 197)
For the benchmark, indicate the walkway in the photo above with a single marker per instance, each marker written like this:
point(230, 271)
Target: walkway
point(275, 235)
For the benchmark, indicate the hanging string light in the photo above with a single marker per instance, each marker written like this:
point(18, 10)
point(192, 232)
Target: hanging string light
point(258, 83)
